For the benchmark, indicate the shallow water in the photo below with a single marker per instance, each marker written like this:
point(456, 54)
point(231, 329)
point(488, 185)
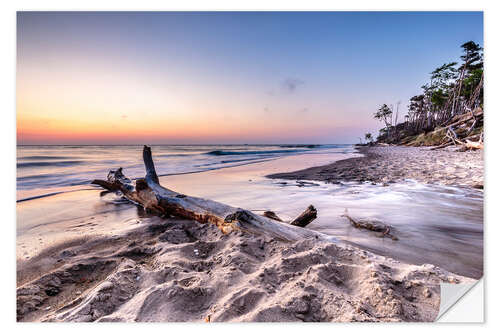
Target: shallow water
point(52, 220)
point(56, 203)
point(45, 170)
point(440, 225)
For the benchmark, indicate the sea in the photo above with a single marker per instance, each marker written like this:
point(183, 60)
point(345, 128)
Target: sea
point(52, 169)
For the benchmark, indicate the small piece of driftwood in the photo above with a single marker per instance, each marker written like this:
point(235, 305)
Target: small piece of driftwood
point(272, 215)
point(302, 220)
point(148, 193)
point(383, 229)
point(306, 217)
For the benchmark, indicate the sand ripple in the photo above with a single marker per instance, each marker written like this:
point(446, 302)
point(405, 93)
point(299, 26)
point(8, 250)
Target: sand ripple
point(176, 270)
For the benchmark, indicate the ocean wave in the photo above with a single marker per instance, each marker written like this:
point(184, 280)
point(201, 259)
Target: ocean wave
point(56, 166)
point(240, 160)
point(26, 178)
point(49, 194)
point(177, 155)
point(300, 146)
point(43, 164)
point(230, 161)
point(254, 152)
point(43, 157)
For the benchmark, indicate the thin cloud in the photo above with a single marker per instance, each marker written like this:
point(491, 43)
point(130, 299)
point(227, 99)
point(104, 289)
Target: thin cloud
point(291, 84)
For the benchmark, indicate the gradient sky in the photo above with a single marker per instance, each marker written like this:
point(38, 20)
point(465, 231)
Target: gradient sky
point(134, 78)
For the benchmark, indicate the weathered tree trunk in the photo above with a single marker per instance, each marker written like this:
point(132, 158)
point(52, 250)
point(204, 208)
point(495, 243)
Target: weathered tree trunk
point(474, 145)
point(461, 119)
point(148, 193)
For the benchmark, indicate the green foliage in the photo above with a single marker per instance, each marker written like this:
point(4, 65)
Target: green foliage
point(470, 83)
point(442, 76)
point(451, 91)
point(383, 113)
point(439, 98)
point(472, 57)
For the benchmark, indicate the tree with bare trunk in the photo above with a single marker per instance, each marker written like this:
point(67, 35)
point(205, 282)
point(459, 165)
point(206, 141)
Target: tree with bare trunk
point(451, 92)
point(384, 114)
point(368, 137)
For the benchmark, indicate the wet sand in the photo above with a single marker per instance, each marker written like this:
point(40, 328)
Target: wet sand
point(395, 163)
point(436, 224)
point(54, 219)
point(105, 260)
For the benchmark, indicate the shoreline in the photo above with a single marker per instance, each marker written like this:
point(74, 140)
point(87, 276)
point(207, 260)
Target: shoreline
point(390, 164)
point(180, 270)
point(52, 218)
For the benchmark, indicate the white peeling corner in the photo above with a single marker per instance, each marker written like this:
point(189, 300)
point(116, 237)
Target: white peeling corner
point(462, 303)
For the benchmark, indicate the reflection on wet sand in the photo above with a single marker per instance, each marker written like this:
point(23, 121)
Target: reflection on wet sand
point(441, 225)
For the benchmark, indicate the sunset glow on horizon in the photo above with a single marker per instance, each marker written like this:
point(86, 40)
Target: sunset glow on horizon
point(172, 78)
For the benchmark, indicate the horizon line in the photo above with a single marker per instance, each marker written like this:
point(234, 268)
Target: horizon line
point(184, 144)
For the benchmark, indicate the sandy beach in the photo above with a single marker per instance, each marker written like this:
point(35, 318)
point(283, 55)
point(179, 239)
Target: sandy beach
point(175, 270)
point(389, 164)
point(114, 262)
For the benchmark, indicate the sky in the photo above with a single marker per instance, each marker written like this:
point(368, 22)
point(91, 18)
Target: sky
point(224, 77)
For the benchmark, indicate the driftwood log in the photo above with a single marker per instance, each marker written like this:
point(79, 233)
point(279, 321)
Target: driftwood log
point(473, 145)
point(302, 220)
point(381, 228)
point(272, 215)
point(465, 122)
point(148, 193)
point(306, 217)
